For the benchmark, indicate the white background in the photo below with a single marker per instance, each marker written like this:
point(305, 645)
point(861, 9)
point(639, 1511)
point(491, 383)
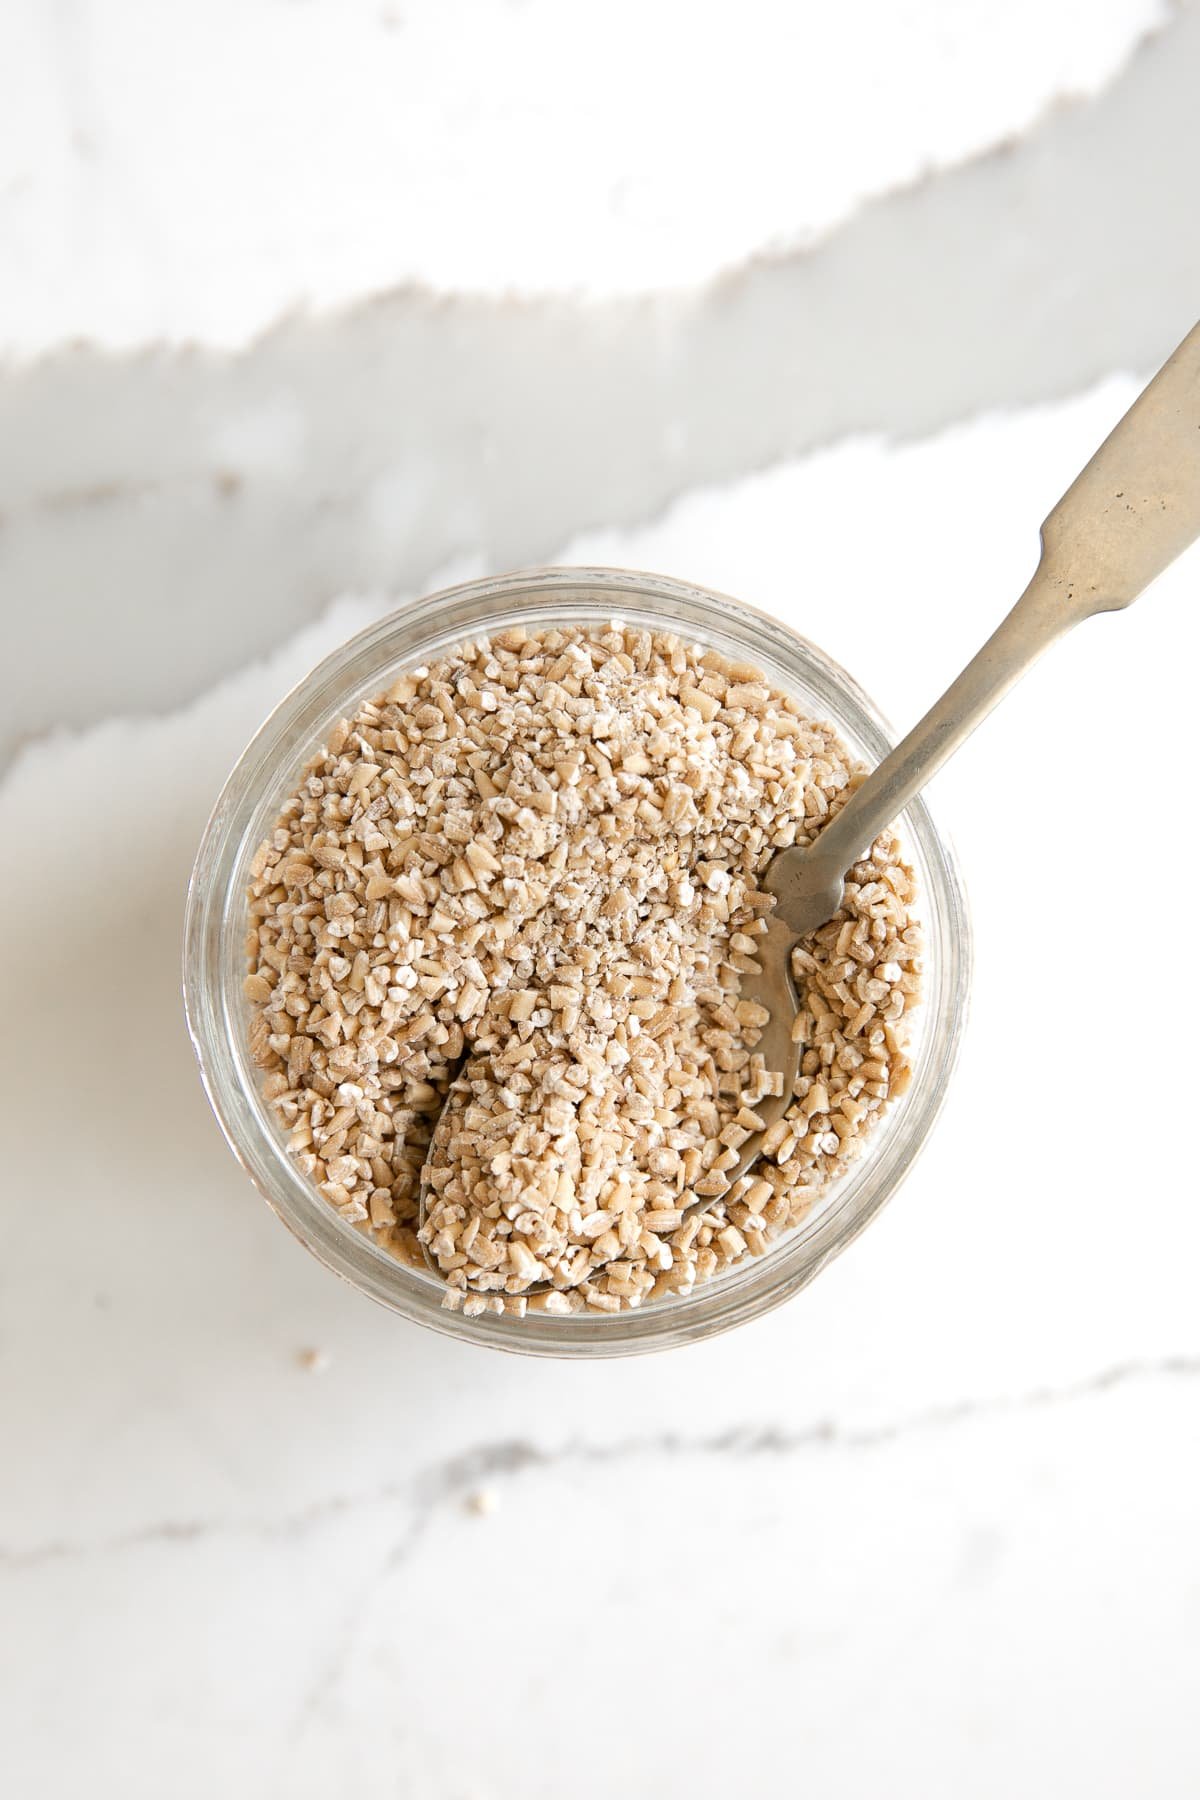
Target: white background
point(305, 307)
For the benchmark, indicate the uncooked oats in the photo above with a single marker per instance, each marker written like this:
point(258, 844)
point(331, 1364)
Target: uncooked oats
point(537, 859)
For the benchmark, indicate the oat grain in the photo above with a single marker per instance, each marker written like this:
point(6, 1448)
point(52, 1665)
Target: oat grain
point(542, 852)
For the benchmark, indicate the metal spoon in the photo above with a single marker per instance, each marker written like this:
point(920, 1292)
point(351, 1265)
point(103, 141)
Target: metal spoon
point(1129, 514)
point(1131, 511)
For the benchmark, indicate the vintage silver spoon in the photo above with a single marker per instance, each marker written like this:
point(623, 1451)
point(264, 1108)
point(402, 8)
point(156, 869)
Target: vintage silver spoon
point(1130, 512)
point(1125, 517)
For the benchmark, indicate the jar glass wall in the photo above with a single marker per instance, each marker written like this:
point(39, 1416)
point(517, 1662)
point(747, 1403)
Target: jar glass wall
point(214, 967)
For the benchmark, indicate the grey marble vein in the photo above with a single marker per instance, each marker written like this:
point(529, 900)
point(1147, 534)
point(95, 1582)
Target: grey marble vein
point(165, 516)
point(453, 1478)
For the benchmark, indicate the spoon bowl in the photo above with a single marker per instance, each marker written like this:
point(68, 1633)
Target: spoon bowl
point(771, 985)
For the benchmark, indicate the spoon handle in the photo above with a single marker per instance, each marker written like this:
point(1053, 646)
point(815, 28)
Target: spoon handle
point(1128, 514)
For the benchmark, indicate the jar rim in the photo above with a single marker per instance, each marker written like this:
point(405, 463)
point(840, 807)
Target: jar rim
point(249, 802)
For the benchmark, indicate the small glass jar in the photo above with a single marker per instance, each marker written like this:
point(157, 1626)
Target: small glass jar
point(214, 965)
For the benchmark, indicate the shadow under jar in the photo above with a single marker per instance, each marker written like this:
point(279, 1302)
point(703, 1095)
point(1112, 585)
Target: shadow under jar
point(218, 1013)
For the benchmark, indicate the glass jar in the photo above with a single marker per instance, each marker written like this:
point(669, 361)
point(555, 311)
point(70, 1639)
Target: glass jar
point(214, 967)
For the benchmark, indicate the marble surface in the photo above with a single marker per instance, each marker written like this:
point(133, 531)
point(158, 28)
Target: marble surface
point(930, 1529)
point(189, 172)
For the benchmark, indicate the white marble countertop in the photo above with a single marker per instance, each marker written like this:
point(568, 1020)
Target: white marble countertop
point(929, 1530)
